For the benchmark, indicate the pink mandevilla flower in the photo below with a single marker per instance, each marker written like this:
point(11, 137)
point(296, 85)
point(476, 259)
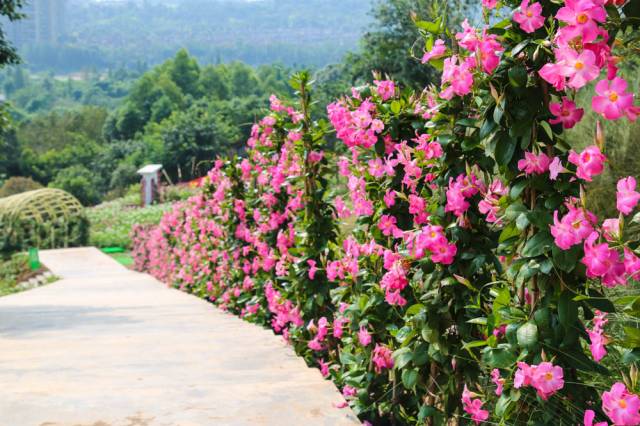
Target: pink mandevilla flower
point(497, 380)
point(612, 100)
point(590, 162)
point(534, 164)
point(363, 336)
point(622, 407)
point(627, 196)
point(596, 336)
point(386, 89)
point(382, 358)
point(545, 378)
point(529, 16)
point(473, 407)
point(589, 416)
point(566, 113)
point(437, 51)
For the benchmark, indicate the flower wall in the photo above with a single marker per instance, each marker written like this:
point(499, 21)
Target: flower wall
point(475, 286)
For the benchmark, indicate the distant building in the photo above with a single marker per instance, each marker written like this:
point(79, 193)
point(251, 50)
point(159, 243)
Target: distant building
point(44, 23)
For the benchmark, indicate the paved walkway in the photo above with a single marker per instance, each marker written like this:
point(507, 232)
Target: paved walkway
point(106, 346)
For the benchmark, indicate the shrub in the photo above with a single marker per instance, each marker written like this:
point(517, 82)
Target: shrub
point(17, 185)
point(79, 181)
point(476, 285)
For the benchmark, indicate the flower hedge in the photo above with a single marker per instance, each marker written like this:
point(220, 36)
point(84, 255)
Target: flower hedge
point(474, 286)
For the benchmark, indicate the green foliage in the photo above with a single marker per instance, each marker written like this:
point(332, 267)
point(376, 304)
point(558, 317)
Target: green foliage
point(393, 46)
point(17, 184)
point(79, 181)
point(12, 270)
point(111, 222)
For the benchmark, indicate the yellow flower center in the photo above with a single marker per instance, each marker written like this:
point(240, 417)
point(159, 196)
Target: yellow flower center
point(579, 65)
point(529, 14)
point(613, 96)
point(622, 404)
point(548, 377)
point(565, 112)
point(582, 18)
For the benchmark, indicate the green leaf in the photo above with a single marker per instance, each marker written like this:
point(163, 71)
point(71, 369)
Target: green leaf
point(395, 107)
point(501, 357)
point(518, 76)
point(567, 310)
point(474, 344)
point(632, 337)
point(409, 378)
point(402, 357)
point(505, 148)
point(527, 335)
point(565, 260)
point(539, 244)
point(547, 129)
point(519, 47)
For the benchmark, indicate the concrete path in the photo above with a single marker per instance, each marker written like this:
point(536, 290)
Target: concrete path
point(109, 347)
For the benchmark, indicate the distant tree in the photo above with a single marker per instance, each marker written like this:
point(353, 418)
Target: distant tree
point(11, 10)
point(393, 45)
point(192, 139)
point(79, 181)
point(185, 72)
point(214, 82)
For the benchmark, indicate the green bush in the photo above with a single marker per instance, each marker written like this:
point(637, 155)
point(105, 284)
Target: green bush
point(111, 222)
point(17, 185)
point(79, 181)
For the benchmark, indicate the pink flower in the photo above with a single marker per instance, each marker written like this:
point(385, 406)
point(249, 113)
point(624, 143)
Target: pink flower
point(631, 264)
point(382, 358)
point(487, 51)
point(583, 15)
point(489, 4)
point(627, 196)
point(579, 68)
point(389, 198)
point(553, 74)
point(459, 77)
point(316, 156)
point(611, 229)
point(566, 113)
point(363, 336)
point(544, 377)
point(468, 38)
point(597, 338)
point(393, 282)
point(589, 416)
point(473, 407)
point(386, 89)
point(573, 228)
point(338, 323)
point(324, 368)
point(622, 407)
point(613, 101)
point(603, 261)
point(348, 391)
point(534, 164)
point(555, 168)
point(497, 380)
point(590, 162)
point(437, 51)
point(312, 268)
point(529, 17)
point(387, 225)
